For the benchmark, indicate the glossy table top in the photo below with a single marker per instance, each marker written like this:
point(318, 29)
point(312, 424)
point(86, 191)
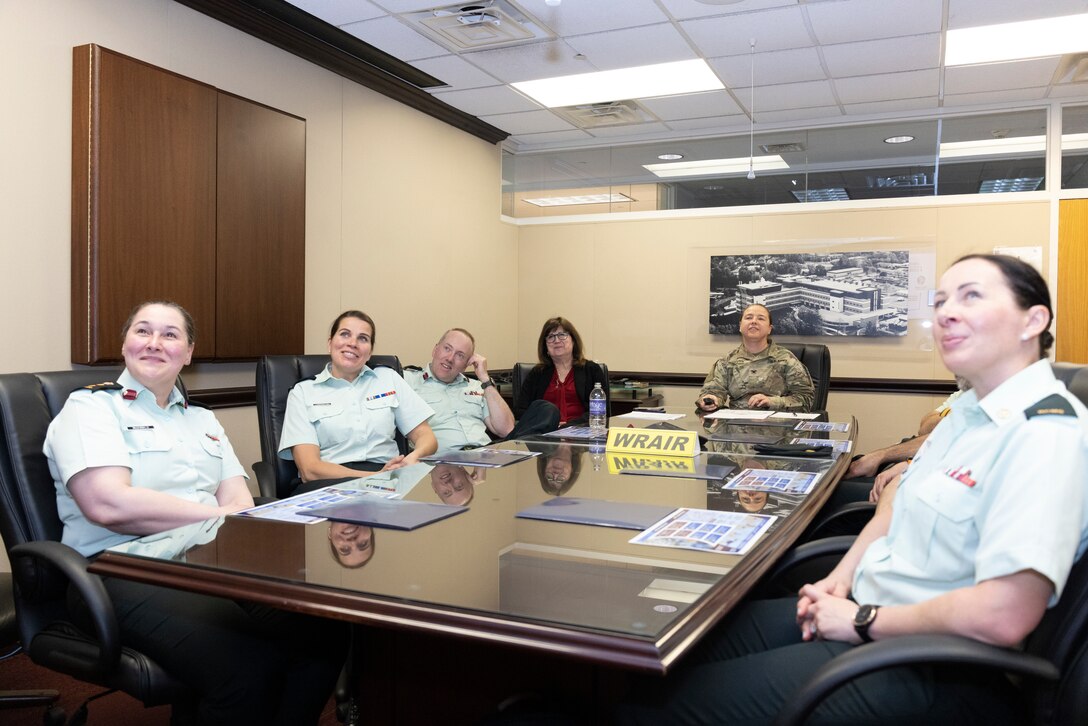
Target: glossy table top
point(486, 573)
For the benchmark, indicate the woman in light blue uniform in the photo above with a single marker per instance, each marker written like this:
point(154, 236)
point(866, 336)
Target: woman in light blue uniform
point(343, 420)
point(978, 541)
point(133, 458)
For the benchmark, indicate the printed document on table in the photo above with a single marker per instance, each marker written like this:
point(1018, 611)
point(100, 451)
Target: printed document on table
point(653, 415)
point(745, 414)
point(731, 533)
point(844, 446)
point(794, 414)
point(774, 480)
point(298, 507)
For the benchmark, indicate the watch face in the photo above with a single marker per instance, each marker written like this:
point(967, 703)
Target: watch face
point(864, 615)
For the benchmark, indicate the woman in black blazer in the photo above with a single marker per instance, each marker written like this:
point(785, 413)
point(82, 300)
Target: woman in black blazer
point(564, 377)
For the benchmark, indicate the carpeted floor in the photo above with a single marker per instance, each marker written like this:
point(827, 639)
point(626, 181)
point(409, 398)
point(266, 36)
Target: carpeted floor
point(117, 708)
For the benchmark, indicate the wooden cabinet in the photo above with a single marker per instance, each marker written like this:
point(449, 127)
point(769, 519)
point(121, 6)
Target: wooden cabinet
point(186, 193)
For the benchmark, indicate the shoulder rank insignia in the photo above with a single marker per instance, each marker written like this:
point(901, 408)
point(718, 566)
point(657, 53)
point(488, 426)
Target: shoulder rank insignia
point(1052, 405)
point(104, 386)
point(413, 368)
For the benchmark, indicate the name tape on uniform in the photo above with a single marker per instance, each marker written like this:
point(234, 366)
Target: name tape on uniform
point(653, 441)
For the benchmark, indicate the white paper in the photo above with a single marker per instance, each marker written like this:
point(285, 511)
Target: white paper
point(794, 414)
point(745, 414)
point(653, 415)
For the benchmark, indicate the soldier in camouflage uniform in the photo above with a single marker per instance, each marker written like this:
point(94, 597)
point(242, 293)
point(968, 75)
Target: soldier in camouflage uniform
point(758, 374)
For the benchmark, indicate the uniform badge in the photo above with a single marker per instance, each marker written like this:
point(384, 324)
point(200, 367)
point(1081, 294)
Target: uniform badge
point(963, 476)
point(1052, 405)
point(129, 394)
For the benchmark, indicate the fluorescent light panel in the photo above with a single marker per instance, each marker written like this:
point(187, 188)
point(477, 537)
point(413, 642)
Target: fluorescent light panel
point(1020, 184)
point(1012, 145)
point(582, 199)
point(1017, 41)
point(662, 79)
point(716, 167)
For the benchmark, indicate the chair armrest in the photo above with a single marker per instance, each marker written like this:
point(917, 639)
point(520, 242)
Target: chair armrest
point(73, 566)
point(809, 551)
point(266, 479)
point(845, 513)
point(903, 651)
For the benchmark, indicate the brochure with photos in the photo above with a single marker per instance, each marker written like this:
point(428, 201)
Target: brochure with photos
point(774, 480)
point(731, 533)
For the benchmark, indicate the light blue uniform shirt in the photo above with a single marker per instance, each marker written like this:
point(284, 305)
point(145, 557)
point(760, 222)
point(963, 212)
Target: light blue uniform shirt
point(351, 420)
point(459, 409)
point(990, 493)
point(179, 450)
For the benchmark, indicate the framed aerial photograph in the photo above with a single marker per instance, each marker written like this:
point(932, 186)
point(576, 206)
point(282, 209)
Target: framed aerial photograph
point(833, 293)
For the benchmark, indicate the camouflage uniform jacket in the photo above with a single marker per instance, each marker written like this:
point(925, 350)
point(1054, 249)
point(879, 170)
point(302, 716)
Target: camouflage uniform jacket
point(773, 371)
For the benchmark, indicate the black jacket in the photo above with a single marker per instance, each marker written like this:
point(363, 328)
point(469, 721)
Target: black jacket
point(536, 383)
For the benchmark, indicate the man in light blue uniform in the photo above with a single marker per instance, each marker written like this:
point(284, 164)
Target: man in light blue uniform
point(180, 450)
point(351, 422)
point(466, 409)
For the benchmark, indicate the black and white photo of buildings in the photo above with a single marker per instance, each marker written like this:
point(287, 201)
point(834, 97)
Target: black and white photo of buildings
point(835, 293)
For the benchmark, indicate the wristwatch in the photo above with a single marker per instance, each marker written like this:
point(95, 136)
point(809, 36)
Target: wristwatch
point(863, 619)
point(487, 384)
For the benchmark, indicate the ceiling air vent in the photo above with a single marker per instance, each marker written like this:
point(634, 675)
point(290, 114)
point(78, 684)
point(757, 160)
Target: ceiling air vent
point(480, 25)
point(612, 113)
point(782, 148)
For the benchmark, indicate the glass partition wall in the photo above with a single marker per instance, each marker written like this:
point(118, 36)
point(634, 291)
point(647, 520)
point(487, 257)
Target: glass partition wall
point(975, 154)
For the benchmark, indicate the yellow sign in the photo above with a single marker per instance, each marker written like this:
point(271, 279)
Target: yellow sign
point(618, 462)
point(653, 441)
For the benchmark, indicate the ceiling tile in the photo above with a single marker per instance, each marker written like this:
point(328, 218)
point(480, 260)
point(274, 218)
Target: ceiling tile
point(649, 44)
point(894, 105)
point(989, 97)
point(395, 38)
point(847, 21)
point(608, 132)
point(995, 76)
point(339, 12)
point(528, 122)
point(796, 114)
point(772, 29)
point(577, 17)
point(910, 84)
point(550, 137)
point(790, 95)
point(692, 105)
point(488, 101)
point(530, 62)
point(1067, 90)
point(870, 57)
point(721, 124)
point(684, 9)
point(455, 71)
point(782, 66)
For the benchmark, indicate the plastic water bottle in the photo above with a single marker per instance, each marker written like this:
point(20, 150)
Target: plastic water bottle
point(598, 419)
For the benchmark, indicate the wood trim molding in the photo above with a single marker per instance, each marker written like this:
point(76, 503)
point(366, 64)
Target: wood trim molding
point(299, 33)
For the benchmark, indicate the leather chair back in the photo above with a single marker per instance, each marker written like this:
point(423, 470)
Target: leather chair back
point(276, 376)
point(28, 518)
point(521, 370)
point(1075, 378)
point(817, 359)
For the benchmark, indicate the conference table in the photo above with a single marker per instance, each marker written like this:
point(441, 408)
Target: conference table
point(501, 600)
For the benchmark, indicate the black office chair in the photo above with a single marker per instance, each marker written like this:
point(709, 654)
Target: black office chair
point(43, 568)
point(521, 370)
point(276, 376)
point(817, 359)
point(1051, 670)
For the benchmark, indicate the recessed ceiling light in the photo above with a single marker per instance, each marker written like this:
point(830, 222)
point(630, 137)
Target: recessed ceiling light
point(1020, 184)
point(709, 167)
point(1017, 41)
point(662, 79)
point(670, 157)
point(581, 199)
point(898, 139)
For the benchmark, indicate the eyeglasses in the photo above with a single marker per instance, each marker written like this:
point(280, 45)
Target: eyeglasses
point(556, 337)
